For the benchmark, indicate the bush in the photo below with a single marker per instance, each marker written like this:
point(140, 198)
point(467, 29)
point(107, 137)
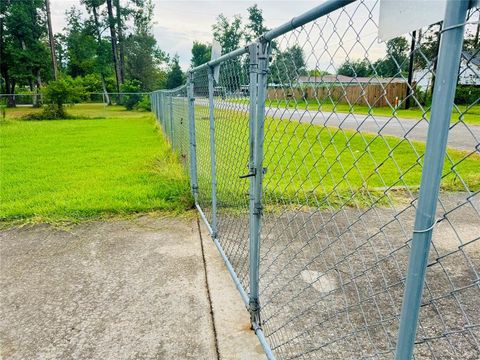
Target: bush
point(130, 101)
point(467, 94)
point(56, 95)
point(144, 104)
point(3, 109)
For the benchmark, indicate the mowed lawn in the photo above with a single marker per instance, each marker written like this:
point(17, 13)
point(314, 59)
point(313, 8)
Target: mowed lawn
point(468, 114)
point(308, 164)
point(118, 163)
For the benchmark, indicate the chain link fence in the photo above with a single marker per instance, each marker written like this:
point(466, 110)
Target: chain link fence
point(339, 177)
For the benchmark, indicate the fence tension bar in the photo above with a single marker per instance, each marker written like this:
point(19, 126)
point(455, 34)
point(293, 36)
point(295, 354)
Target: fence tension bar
point(442, 104)
point(211, 110)
point(192, 137)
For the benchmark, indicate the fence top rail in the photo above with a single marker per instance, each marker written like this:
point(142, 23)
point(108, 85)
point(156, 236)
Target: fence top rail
point(86, 93)
point(178, 88)
point(313, 14)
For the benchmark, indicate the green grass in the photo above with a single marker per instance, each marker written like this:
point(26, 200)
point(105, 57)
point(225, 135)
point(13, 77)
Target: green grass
point(80, 169)
point(317, 165)
point(469, 114)
point(120, 164)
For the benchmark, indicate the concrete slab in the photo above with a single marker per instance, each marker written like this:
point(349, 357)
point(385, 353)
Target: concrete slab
point(124, 289)
point(235, 339)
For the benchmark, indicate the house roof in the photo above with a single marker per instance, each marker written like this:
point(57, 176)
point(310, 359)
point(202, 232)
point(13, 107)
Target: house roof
point(348, 79)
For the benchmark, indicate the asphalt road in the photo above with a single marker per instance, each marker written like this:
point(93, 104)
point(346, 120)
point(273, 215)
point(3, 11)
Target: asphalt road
point(461, 136)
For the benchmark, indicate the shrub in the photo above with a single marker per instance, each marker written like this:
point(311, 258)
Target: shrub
point(130, 101)
point(3, 109)
point(144, 104)
point(467, 94)
point(56, 95)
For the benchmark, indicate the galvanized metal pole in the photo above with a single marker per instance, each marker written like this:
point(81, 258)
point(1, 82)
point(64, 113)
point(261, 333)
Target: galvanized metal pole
point(171, 122)
point(257, 180)
point(442, 104)
point(193, 141)
point(253, 56)
point(211, 109)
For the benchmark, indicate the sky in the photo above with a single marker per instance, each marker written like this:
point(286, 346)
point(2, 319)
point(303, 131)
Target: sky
point(178, 23)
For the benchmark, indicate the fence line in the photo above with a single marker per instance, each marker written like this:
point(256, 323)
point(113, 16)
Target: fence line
point(349, 225)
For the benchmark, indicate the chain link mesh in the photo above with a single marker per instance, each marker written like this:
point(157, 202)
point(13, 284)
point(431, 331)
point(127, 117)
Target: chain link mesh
point(345, 132)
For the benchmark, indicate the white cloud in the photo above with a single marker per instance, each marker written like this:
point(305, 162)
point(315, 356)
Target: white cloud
point(178, 23)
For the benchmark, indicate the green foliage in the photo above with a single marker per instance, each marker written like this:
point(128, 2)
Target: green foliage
point(24, 57)
point(287, 65)
point(3, 109)
point(175, 76)
point(318, 73)
point(467, 94)
point(143, 61)
point(255, 28)
point(130, 101)
point(355, 68)
point(56, 95)
point(228, 33)
point(201, 53)
point(395, 63)
point(144, 104)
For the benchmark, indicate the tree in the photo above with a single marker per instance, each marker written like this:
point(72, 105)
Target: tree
point(102, 60)
point(175, 76)
point(254, 28)
point(4, 77)
point(355, 68)
point(201, 53)
point(51, 40)
point(395, 63)
point(81, 45)
point(121, 48)
point(25, 54)
point(57, 94)
point(228, 33)
point(144, 60)
point(113, 40)
point(287, 65)
point(318, 73)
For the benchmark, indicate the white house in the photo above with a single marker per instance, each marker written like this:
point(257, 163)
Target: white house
point(469, 73)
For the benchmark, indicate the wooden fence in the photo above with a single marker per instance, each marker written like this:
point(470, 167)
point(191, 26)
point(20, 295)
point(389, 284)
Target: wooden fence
point(374, 95)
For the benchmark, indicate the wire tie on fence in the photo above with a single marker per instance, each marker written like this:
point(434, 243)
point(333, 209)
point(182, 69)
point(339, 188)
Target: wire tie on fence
point(428, 229)
point(459, 25)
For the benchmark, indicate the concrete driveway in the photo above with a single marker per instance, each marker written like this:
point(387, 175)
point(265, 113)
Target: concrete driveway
point(119, 289)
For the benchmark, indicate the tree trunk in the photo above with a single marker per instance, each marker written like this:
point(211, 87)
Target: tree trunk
point(51, 40)
point(11, 97)
point(38, 100)
point(113, 38)
point(3, 65)
point(99, 39)
point(120, 41)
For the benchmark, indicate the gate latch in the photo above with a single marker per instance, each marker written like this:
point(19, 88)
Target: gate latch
point(249, 174)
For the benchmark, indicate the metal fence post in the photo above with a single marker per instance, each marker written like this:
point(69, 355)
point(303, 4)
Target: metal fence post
point(211, 109)
point(256, 181)
point(193, 141)
point(164, 115)
point(442, 105)
point(171, 122)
